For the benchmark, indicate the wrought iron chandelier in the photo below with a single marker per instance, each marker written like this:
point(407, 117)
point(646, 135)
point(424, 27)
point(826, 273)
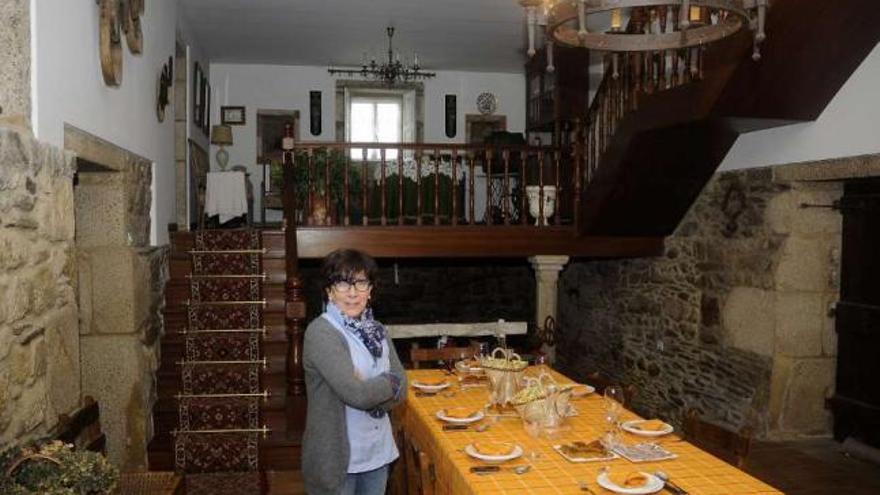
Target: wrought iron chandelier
point(655, 24)
point(389, 72)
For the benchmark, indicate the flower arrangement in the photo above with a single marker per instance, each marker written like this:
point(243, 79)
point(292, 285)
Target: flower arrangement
point(54, 468)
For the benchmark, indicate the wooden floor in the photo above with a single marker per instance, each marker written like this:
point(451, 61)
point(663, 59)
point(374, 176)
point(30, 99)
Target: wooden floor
point(812, 467)
point(808, 467)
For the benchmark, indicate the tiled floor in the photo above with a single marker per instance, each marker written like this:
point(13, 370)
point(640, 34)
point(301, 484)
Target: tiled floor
point(813, 467)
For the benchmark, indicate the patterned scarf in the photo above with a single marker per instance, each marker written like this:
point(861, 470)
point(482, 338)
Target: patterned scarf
point(370, 331)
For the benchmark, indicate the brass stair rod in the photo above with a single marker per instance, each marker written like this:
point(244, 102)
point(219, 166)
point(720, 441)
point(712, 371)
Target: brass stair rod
point(222, 303)
point(258, 361)
point(225, 330)
point(229, 251)
point(260, 275)
point(264, 395)
point(264, 430)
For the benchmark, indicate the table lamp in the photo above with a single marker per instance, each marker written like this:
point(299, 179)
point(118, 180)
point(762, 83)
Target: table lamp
point(221, 135)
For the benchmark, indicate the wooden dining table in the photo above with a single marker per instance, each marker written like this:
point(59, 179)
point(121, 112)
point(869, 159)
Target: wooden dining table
point(693, 469)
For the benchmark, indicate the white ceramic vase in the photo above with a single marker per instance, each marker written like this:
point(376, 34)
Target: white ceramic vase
point(549, 197)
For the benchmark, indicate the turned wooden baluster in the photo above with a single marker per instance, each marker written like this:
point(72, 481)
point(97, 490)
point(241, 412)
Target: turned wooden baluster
point(328, 156)
point(578, 157)
point(294, 300)
point(383, 200)
point(436, 187)
point(399, 186)
point(523, 157)
point(557, 155)
point(366, 215)
point(505, 157)
point(540, 219)
point(418, 187)
point(488, 213)
point(454, 186)
point(346, 187)
point(470, 186)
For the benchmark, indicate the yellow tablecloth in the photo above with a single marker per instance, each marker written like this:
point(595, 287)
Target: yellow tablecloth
point(694, 470)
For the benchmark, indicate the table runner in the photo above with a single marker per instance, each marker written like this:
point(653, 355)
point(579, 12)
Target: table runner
point(694, 470)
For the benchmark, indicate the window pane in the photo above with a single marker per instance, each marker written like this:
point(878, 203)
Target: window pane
point(388, 125)
point(361, 125)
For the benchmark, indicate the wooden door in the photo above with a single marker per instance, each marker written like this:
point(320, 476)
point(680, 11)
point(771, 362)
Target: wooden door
point(856, 403)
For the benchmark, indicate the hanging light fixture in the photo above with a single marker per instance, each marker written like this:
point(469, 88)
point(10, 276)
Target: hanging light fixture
point(659, 24)
point(389, 72)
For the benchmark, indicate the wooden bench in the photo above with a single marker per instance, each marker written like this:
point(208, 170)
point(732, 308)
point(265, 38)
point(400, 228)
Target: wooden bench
point(731, 446)
point(83, 428)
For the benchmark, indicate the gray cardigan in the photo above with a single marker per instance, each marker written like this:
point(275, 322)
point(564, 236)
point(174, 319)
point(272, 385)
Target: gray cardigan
point(331, 385)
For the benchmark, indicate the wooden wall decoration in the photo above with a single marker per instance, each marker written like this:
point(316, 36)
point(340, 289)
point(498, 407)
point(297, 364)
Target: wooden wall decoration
point(110, 42)
point(315, 112)
point(130, 18)
point(196, 95)
point(166, 79)
point(451, 116)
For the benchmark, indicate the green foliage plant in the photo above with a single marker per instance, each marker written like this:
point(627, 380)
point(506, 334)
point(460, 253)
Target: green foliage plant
point(55, 468)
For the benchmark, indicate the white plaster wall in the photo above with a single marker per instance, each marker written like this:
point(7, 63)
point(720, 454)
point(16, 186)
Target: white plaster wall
point(69, 88)
point(849, 126)
point(277, 87)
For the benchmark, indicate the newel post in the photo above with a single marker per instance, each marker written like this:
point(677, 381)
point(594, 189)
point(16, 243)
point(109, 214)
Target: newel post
point(294, 299)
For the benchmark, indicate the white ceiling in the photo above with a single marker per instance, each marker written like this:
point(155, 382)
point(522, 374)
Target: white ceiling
point(473, 35)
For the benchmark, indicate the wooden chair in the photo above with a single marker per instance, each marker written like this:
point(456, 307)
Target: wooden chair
point(419, 355)
point(731, 446)
point(420, 474)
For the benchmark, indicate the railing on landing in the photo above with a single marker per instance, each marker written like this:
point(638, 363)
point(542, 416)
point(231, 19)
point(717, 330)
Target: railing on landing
point(436, 184)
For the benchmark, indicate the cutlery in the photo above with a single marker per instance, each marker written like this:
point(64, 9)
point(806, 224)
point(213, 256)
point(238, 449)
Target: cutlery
point(585, 487)
point(454, 427)
point(669, 485)
point(483, 470)
point(426, 394)
point(480, 428)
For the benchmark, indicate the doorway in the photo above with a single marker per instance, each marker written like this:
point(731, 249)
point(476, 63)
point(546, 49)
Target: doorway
point(270, 130)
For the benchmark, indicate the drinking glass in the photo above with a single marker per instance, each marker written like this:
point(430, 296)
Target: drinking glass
point(483, 350)
point(614, 401)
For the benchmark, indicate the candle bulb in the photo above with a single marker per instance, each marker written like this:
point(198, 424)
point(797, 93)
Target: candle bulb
point(364, 59)
point(416, 60)
point(615, 19)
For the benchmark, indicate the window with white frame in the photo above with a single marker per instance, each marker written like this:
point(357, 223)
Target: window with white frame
point(375, 119)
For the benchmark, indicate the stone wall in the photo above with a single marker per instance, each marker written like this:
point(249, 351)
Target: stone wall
point(15, 59)
point(121, 283)
point(39, 338)
point(731, 320)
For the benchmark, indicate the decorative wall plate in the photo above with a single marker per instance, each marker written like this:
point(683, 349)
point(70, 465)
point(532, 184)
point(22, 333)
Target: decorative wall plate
point(487, 103)
point(130, 12)
point(110, 43)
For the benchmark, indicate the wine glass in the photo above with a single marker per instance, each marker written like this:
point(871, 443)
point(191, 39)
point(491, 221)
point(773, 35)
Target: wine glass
point(614, 401)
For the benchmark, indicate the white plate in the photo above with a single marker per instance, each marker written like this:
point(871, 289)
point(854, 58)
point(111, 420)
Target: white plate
point(581, 390)
point(471, 451)
point(631, 426)
point(478, 415)
point(558, 448)
point(429, 388)
point(653, 485)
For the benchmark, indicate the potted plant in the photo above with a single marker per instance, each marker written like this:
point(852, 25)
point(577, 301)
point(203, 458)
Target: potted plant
point(312, 187)
point(54, 468)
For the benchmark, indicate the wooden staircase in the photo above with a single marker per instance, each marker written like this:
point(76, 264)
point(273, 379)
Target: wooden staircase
point(281, 413)
point(657, 156)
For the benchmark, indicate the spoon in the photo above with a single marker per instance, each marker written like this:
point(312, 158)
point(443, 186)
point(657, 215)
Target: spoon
point(585, 487)
point(481, 427)
point(522, 469)
point(669, 484)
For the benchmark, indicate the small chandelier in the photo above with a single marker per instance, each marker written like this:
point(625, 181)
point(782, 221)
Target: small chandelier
point(656, 24)
point(389, 72)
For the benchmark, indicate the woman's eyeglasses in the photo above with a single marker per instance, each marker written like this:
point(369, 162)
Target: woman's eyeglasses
point(360, 285)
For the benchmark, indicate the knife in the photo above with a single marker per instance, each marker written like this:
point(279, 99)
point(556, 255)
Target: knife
point(485, 469)
point(672, 487)
point(454, 427)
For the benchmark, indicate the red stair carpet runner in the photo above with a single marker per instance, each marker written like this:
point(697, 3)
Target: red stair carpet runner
point(216, 445)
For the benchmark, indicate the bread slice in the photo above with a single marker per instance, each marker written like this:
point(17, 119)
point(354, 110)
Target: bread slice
point(459, 412)
point(650, 425)
point(493, 448)
point(632, 479)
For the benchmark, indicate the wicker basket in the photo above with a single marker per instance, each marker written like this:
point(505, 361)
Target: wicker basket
point(150, 483)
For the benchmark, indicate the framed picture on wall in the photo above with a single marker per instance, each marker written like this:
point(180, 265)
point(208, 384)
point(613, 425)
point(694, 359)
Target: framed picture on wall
point(232, 115)
point(196, 95)
point(208, 109)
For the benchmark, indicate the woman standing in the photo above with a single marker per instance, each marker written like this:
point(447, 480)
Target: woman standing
point(353, 379)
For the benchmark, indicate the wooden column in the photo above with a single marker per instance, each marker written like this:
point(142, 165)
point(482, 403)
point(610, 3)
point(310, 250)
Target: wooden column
point(294, 298)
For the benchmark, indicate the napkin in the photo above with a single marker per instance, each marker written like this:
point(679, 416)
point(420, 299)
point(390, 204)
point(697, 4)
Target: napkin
point(632, 479)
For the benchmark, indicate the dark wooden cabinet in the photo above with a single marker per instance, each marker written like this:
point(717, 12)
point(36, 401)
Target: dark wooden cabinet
point(555, 99)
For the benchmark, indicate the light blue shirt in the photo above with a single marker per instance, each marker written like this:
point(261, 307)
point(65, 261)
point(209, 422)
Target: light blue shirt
point(370, 441)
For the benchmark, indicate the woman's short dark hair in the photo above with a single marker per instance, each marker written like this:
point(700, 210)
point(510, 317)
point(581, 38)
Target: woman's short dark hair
point(344, 264)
